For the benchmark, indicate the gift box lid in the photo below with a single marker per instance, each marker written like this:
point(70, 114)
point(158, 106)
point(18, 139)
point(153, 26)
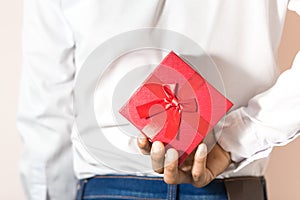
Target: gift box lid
point(176, 105)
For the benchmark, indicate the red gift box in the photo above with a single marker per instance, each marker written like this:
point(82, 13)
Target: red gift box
point(176, 105)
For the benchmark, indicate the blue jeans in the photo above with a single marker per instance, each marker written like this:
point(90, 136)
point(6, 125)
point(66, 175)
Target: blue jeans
point(137, 187)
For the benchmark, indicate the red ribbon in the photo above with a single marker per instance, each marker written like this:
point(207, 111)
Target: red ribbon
point(171, 105)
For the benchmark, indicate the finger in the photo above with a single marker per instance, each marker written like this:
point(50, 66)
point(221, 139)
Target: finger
point(144, 144)
point(217, 160)
point(171, 174)
point(201, 176)
point(158, 156)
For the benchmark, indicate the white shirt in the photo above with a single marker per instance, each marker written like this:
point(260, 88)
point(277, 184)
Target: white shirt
point(242, 38)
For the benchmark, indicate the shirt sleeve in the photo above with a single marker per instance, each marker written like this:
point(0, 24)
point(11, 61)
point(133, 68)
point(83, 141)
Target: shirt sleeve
point(271, 118)
point(45, 115)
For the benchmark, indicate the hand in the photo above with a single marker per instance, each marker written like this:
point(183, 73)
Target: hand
point(198, 169)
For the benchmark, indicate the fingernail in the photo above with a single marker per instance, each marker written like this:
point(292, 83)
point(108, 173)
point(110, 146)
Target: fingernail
point(201, 151)
point(156, 148)
point(171, 155)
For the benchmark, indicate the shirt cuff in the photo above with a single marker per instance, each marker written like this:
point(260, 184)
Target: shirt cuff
point(244, 138)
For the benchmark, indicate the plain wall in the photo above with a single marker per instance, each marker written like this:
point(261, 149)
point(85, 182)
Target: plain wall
point(10, 59)
point(283, 172)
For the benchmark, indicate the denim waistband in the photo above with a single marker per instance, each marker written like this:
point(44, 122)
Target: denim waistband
point(141, 187)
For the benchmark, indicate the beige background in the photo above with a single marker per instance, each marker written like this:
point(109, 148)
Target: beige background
point(283, 174)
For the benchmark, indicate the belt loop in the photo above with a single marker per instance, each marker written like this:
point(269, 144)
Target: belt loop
point(245, 188)
point(80, 189)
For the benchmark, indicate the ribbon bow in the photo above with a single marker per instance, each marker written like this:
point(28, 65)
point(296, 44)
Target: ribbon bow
point(171, 104)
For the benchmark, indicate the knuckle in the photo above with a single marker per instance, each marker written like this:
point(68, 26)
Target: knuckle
point(199, 160)
point(196, 177)
point(140, 140)
point(160, 171)
point(144, 150)
point(157, 157)
point(171, 167)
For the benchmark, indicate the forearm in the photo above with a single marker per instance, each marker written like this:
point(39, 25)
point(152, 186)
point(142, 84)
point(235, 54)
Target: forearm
point(271, 118)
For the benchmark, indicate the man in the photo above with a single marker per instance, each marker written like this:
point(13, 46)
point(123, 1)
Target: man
point(242, 38)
